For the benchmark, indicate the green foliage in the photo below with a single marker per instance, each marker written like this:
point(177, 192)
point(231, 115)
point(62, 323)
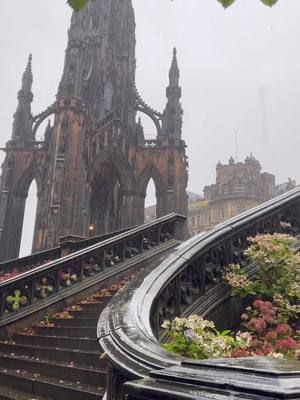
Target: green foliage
point(197, 338)
point(227, 3)
point(271, 321)
point(77, 5)
point(269, 3)
point(278, 278)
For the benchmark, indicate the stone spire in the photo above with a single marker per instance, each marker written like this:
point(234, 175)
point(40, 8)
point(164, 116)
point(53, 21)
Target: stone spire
point(27, 79)
point(172, 118)
point(22, 117)
point(174, 71)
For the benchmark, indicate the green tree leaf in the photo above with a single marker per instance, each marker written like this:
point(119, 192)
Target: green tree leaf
point(77, 5)
point(226, 3)
point(269, 3)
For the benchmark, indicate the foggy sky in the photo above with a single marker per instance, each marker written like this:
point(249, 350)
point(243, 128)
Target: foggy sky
point(240, 72)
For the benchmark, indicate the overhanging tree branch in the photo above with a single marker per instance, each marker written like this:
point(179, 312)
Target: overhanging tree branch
point(77, 5)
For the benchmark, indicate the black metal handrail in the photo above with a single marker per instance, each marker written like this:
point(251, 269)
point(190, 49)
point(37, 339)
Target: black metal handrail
point(23, 292)
point(185, 282)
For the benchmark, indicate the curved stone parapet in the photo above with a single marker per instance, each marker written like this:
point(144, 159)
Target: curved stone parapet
point(189, 282)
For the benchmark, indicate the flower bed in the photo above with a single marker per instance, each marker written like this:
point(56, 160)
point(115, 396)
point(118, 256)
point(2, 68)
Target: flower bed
point(269, 325)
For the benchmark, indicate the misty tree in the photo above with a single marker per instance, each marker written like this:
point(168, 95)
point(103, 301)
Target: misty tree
point(77, 5)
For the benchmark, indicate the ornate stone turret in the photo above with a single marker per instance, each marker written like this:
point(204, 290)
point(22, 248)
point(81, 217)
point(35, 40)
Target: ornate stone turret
point(172, 117)
point(22, 117)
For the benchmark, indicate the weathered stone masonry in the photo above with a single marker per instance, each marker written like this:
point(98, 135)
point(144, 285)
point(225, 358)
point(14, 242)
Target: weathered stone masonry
point(94, 164)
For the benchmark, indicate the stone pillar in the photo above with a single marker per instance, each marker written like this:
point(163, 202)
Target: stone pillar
point(12, 231)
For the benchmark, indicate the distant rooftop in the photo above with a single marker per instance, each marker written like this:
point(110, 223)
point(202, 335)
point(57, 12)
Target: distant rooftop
point(193, 196)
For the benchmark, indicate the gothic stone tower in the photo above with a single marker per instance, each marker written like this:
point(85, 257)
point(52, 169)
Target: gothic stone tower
point(94, 164)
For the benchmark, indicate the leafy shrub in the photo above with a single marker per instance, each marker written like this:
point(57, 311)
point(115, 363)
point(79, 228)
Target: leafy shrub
point(271, 322)
point(195, 337)
point(278, 278)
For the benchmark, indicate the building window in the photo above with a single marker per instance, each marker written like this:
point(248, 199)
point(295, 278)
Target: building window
point(240, 208)
point(239, 187)
point(221, 214)
point(225, 190)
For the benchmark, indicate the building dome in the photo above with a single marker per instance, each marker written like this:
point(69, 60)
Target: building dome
point(231, 161)
point(251, 160)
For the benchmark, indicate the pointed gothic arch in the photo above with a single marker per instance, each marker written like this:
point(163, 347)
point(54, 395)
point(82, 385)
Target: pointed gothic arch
point(38, 119)
point(148, 173)
point(111, 183)
point(30, 174)
point(121, 165)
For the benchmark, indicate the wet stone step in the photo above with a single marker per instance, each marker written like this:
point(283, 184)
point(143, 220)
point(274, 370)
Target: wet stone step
point(49, 387)
point(104, 299)
point(76, 322)
point(53, 354)
point(7, 393)
point(85, 314)
point(93, 306)
point(63, 331)
point(58, 342)
point(57, 370)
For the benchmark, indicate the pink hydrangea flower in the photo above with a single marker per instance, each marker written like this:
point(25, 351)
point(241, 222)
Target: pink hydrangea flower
point(271, 335)
point(284, 329)
point(241, 353)
point(286, 343)
point(258, 324)
point(267, 349)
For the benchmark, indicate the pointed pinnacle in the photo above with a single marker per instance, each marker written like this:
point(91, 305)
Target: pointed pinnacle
point(29, 62)
point(174, 70)
point(174, 60)
point(27, 76)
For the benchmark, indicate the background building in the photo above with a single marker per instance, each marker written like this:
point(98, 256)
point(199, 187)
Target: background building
point(239, 186)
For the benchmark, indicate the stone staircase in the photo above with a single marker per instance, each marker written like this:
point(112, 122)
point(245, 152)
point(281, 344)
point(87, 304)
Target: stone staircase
point(59, 357)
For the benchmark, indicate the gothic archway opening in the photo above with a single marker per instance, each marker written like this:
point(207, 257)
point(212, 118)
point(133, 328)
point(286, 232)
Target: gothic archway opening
point(148, 126)
point(29, 221)
point(43, 129)
point(106, 200)
point(150, 202)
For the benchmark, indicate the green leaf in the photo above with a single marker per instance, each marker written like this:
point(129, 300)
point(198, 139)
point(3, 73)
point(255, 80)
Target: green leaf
point(269, 3)
point(226, 3)
point(77, 5)
point(225, 332)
